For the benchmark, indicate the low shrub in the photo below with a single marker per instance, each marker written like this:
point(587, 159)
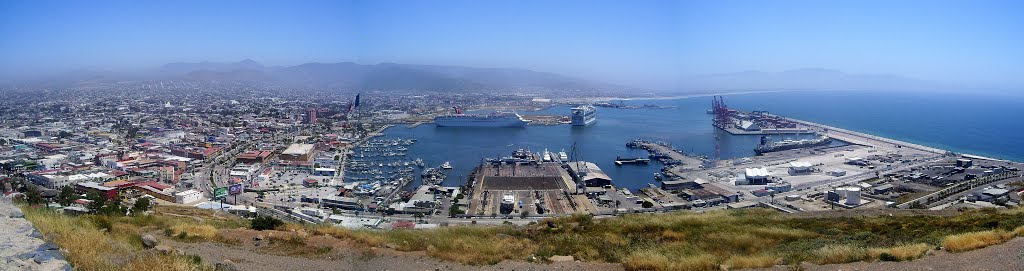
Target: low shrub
point(262, 223)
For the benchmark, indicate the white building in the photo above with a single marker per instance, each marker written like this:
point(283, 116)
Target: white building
point(188, 196)
point(800, 167)
point(756, 176)
point(836, 172)
point(747, 125)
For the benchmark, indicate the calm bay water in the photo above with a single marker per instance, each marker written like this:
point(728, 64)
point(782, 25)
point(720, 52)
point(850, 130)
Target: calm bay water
point(966, 123)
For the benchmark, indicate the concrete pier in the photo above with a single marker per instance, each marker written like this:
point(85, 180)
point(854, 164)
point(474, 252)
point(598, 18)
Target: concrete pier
point(865, 139)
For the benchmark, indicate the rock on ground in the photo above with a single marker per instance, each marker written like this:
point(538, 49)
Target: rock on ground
point(149, 241)
point(22, 247)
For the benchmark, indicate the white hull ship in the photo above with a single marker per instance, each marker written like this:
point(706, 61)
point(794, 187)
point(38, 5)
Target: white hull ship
point(497, 119)
point(583, 115)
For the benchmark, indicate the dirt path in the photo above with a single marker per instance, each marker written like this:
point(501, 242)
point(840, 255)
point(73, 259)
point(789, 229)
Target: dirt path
point(1006, 256)
point(351, 258)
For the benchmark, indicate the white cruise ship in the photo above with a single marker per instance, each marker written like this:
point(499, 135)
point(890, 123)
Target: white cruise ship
point(583, 115)
point(497, 119)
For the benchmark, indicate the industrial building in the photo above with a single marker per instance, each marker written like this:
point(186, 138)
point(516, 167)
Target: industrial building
point(254, 157)
point(344, 203)
point(964, 163)
point(993, 195)
point(589, 174)
point(297, 152)
point(796, 168)
point(847, 197)
point(754, 176)
point(676, 184)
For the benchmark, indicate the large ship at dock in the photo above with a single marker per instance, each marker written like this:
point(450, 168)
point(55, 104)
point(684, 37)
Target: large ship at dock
point(496, 119)
point(583, 115)
point(790, 144)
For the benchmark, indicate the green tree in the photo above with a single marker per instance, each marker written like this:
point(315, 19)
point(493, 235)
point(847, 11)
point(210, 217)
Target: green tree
point(33, 194)
point(96, 202)
point(647, 204)
point(454, 211)
point(524, 214)
point(67, 196)
point(113, 208)
point(141, 205)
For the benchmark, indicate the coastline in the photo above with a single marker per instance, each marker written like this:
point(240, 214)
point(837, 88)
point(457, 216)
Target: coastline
point(901, 141)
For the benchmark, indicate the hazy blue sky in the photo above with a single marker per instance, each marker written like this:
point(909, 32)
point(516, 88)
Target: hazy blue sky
point(977, 43)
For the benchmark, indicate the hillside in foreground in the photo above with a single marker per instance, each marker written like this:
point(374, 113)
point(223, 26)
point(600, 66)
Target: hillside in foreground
point(191, 239)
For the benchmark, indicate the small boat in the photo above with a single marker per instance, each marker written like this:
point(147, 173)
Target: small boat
point(446, 165)
point(619, 161)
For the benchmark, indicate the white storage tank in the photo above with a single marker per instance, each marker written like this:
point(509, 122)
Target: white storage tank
point(841, 191)
point(853, 196)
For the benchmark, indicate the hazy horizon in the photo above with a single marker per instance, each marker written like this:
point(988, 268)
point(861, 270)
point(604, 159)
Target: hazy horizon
point(654, 44)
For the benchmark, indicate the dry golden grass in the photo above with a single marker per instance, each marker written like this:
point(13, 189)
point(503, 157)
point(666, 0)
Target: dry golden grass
point(656, 261)
point(364, 237)
point(833, 254)
point(90, 248)
point(900, 253)
point(672, 235)
point(782, 233)
point(975, 240)
point(194, 231)
point(468, 245)
point(752, 261)
point(675, 241)
point(1019, 231)
point(646, 260)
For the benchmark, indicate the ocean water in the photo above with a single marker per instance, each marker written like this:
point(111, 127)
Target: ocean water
point(987, 124)
point(965, 123)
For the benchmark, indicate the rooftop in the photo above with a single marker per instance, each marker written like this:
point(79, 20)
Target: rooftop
point(298, 149)
point(756, 172)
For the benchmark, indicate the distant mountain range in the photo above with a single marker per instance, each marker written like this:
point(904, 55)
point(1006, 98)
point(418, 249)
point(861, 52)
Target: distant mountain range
point(349, 76)
point(385, 76)
point(803, 79)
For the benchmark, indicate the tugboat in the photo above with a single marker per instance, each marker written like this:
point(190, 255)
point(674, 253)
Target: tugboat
point(446, 165)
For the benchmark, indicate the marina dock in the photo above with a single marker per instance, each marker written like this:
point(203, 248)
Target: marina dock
point(686, 162)
point(536, 189)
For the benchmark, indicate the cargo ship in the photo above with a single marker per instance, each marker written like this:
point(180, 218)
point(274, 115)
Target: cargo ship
point(496, 119)
point(583, 115)
point(790, 144)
